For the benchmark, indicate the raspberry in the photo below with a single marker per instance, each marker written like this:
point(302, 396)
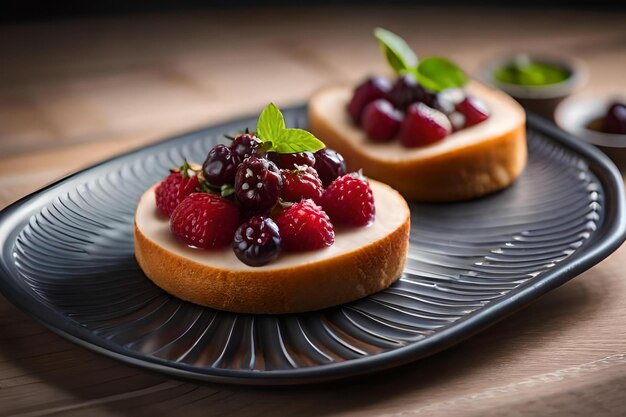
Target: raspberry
point(349, 201)
point(257, 242)
point(257, 184)
point(304, 226)
point(173, 189)
point(205, 221)
point(300, 184)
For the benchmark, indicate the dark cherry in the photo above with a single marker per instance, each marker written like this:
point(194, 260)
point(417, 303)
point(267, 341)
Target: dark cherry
point(220, 166)
point(423, 126)
point(407, 91)
point(370, 90)
point(473, 111)
point(615, 119)
point(257, 241)
point(258, 184)
point(329, 165)
point(244, 145)
point(381, 121)
point(291, 160)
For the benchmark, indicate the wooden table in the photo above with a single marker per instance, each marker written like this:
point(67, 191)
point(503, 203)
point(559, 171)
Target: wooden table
point(75, 92)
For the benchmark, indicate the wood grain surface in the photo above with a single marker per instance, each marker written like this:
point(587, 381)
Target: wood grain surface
point(73, 92)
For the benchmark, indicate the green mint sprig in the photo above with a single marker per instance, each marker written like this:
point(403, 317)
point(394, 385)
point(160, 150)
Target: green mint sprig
point(434, 73)
point(271, 130)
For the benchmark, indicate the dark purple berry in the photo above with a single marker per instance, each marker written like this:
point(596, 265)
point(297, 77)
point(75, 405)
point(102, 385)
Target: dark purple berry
point(244, 145)
point(615, 119)
point(291, 160)
point(258, 184)
point(257, 242)
point(220, 166)
point(370, 90)
point(381, 121)
point(407, 91)
point(329, 165)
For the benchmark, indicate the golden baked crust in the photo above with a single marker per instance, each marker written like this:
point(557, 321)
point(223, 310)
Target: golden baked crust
point(466, 166)
point(309, 286)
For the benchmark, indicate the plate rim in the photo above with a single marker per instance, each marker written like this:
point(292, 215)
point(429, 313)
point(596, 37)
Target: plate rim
point(613, 233)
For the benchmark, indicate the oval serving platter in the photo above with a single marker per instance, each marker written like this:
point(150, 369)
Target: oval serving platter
point(68, 260)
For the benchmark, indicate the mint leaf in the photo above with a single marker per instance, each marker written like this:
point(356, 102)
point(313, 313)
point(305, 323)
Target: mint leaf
point(296, 140)
point(437, 74)
point(398, 53)
point(270, 124)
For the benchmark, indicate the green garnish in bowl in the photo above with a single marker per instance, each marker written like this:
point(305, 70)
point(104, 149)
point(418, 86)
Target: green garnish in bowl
point(527, 72)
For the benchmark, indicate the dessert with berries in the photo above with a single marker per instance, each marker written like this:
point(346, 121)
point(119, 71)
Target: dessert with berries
point(429, 133)
point(271, 223)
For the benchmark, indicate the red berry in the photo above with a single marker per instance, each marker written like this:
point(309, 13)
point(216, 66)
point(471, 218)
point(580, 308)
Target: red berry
point(349, 201)
point(407, 91)
point(329, 165)
point(370, 90)
point(381, 121)
point(474, 111)
point(304, 226)
point(244, 146)
point(257, 241)
point(292, 160)
point(423, 125)
point(615, 119)
point(300, 184)
point(205, 221)
point(172, 190)
point(220, 166)
point(258, 184)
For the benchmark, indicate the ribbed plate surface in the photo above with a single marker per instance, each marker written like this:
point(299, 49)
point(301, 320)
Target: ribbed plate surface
point(68, 260)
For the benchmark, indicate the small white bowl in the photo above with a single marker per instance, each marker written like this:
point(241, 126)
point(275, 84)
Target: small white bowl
point(576, 112)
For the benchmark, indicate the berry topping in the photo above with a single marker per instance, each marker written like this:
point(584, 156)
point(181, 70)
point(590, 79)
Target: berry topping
point(304, 226)
point(381, 121)
point(205, 221)
point(474, 111)
point(349, 201)
point(291, 160)
point(258, 184)
point(257, 241)
point(300, 184)
point(372, 89)
point(173, 189)
point(407, 91)
point(423, 125)
point(329, 165)
point(220, 166)
point(615, 119)
point(244, 145)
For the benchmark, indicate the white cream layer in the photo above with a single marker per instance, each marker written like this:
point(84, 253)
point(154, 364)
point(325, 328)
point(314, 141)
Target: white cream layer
point(391, 213)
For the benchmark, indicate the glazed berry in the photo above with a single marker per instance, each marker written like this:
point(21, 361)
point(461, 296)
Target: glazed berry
point(257, 241)
point(474, 111)
point(292, 160)
point(205, 221)
point(244, 146)
point(220, 166)
point(329, 165)
point(406, 91)
point(304, 226)
point(615, 119)
point(300, 184)
point(370, 90)
point(173, 189)
point(423, 125)
point(349, 201)
point(258, 184)
point(381, 121)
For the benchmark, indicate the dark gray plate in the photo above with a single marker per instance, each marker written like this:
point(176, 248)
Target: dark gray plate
point(67, 259)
